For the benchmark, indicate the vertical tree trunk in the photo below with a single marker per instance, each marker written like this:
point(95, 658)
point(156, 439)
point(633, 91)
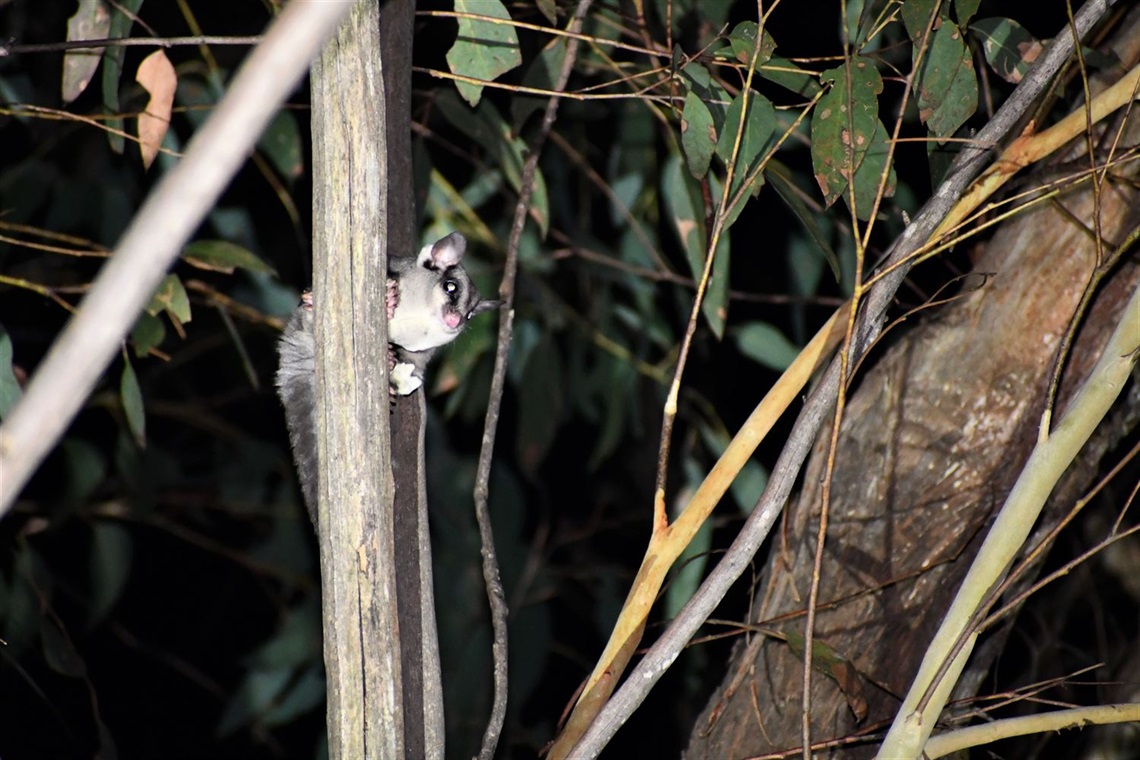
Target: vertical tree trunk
point(384, 698)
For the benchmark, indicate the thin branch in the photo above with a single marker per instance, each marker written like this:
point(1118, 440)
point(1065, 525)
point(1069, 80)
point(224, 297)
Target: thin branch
point(153, 241)
point(162, 42)
point(491, 577)
point(845, 357)
point(1057, 720)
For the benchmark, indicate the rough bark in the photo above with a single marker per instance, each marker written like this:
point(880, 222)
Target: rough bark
point(932, 439)
point(384, 697)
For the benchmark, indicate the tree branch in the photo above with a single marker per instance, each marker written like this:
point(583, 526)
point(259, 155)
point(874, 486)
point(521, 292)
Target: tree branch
point(499, 612)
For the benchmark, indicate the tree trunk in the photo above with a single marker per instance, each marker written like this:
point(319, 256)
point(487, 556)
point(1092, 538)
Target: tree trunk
point(381, 655)
point(932, 439)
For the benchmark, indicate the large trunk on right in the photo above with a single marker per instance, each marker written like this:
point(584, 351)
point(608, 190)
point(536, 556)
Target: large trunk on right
point(932, 439)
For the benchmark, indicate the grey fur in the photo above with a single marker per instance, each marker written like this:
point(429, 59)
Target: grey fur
point(430, 300)
point(297, 388)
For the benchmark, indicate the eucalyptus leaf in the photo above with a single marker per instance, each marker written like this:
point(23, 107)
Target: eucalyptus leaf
point(123, 15)
point(540, 405)
point(9, 387)
point(790, 76)
point(694, 559)
point(683, 199)
point(484, 49)
point(171, 297)
point(764, 344)
point(92, 21)
point(86, 468)
point(130, 394)
point(111, 552)
point(148, 333)
point(778, 175)
point(1008, 48)
point(848, 141)
point(698, 135)
point(60, 653)
point(223, 256)
point(281, 144)
point(946, 84)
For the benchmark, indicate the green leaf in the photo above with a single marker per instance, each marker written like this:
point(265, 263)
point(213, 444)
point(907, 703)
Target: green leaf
point(281, 144)
point(764, 344)
point(742, 43)
point(916, 15)
point(710, 91)
point(758, 138)
point(170, 297)
point(870, 174)
point(1008, 48)
point(223, 256)
point(620, 383)
point(826, 660)
point(92, 21)
point(86, 467)
point(9, 387)
point(749, 483)
point(549, 8)
point(148, 333)
point(540, 405)
point(296, 641)
point(695, 558)
point(780, 177)
point(965, 10)
point(844, 125)
point(713, 14)
point(683, 199)
point(748, 486)
point(864, 18)
point(111, 552)
point(759, 129)
point(305, 694)
point(698, 135)
point(59, 652)
point(946, 84)
point(483, 49)
point(131, 396)
point(788, 75)
point(486, 127)
point(256, 694)
point(542, 74)
point(123, 15)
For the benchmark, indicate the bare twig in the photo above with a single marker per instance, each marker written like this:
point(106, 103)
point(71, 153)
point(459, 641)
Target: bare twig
point(491, 577)
point(858, 288)
point(155, 238)
point(163, 42)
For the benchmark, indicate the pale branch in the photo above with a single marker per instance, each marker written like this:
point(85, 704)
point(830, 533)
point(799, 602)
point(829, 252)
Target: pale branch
point(1056, 720)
